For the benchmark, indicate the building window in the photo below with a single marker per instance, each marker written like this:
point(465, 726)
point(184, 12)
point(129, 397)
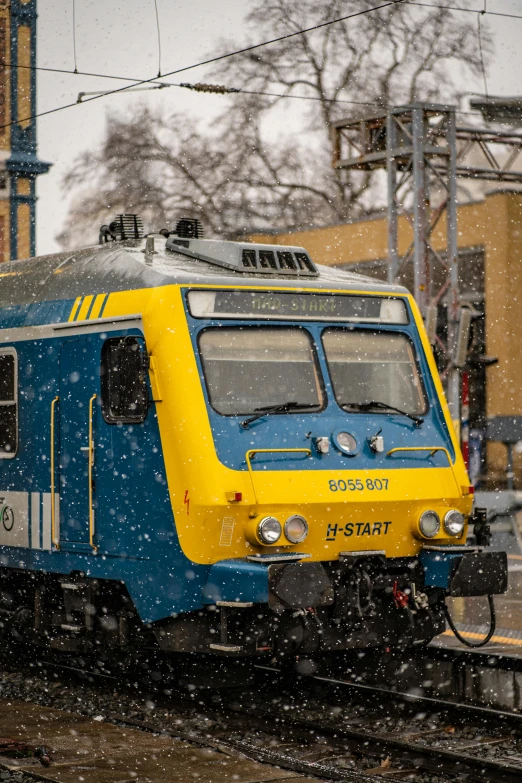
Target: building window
point(8, 403)
point(125, 396)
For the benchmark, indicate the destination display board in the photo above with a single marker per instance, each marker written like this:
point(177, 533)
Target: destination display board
point(296, 306)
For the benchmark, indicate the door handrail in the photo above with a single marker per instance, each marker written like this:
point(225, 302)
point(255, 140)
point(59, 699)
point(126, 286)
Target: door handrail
point(433, 450)
point(91, 463)
point(251, 453)
point(54, 540)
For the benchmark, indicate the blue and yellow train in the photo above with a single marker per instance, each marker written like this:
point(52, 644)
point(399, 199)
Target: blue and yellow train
point(214, 446)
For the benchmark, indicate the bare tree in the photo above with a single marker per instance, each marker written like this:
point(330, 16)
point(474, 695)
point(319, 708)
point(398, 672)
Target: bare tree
point(265, 162)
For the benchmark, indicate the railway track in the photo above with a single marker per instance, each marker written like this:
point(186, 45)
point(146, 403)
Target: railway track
point(335, 729)
point(407, 757)
point(487, 656)
point(489, 677)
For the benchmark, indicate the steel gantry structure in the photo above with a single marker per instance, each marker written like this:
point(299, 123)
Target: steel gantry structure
point(425, 153)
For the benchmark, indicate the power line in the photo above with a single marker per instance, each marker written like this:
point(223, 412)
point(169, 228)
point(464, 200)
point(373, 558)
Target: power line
point(481, 52)
point(76, 73)
point(186, 85)
point(155, 84)
point(207, 62)
point(95, 75)
point(219, 89)
point(459, 8)
point(74, 36)
point(159, 36)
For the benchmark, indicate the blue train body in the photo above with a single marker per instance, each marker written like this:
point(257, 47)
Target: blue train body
point(93, 551)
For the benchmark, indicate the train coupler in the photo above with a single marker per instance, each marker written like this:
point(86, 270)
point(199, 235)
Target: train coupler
point(464, 571)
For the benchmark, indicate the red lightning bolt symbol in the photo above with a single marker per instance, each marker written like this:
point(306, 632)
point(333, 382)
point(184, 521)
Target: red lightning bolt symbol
point(186, 500)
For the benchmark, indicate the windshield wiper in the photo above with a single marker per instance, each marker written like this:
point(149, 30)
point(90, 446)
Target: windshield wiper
point(269, 409)
point(368, 406)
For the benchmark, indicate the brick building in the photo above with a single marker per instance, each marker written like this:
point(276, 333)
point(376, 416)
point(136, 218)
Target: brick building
point(19, 164)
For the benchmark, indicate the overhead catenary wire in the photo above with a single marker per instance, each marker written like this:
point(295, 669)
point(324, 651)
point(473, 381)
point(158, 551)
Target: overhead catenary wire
point(208, 61)
point(222, 90)
point(218, 89)
point(198, 87)
point(159, 36)
point(153, 80)
point(445, 7)
point(481, 52)
point(74, 35)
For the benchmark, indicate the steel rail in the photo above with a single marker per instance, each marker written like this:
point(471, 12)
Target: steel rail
point(485, 658)
point(262, 755)
point(432, 758)
point(444, 705)
point(427, 758)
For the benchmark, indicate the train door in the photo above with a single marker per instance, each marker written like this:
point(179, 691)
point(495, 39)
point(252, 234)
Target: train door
point(78, 418)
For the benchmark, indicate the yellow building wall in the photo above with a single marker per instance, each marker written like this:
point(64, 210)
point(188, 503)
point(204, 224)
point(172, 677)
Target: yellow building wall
point(5, 75)
point(23, 106)
point(4, 229)
point(24, 75)
point(494, 224)
point(367, 240)
point(24, 227)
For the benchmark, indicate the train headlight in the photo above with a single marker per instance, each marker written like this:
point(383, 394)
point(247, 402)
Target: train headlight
point(454, 523)
point(269, 530)
point(296, 528)
point(429, 524)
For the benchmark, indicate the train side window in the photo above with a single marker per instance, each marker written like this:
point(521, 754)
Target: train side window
point(8, 403)
point(125, 397)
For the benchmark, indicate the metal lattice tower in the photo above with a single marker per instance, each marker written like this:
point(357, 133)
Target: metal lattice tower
point(425, 152)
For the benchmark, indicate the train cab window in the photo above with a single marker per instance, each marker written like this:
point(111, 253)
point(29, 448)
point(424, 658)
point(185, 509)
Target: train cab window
point(248, 368)
point(8, 403)
point(370, 366)
point(125, 397)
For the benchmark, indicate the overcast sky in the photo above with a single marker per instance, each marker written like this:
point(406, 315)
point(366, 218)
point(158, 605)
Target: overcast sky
point(119, 37)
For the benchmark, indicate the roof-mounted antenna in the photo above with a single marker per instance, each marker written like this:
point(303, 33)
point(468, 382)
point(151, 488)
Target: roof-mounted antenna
point(189, 228)
point(123, 227)
point(186, 228)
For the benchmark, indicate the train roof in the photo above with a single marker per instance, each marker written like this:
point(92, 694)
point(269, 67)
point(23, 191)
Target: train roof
point(141, 263)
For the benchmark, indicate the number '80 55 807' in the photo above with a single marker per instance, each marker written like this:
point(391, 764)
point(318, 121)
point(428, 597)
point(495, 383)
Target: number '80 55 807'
point(357, 485)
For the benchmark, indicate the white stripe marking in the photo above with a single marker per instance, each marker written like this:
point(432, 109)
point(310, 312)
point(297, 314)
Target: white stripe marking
point(46, 520)
point(35, 520)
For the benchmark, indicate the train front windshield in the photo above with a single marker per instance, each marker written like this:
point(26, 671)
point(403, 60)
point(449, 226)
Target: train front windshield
point(252, 367)
point(373, 366)
point(249, 368)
